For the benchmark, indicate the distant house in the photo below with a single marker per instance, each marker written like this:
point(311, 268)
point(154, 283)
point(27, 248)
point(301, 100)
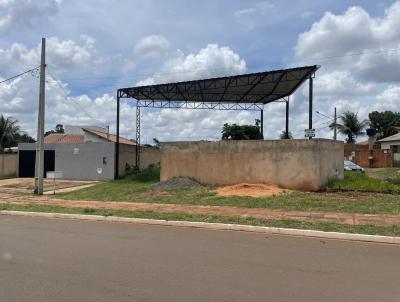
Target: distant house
point(392, 144)
point(84, 134)
point(360, 154)
point(84, 152)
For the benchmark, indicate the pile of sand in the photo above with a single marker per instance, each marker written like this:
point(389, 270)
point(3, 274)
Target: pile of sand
point(253, 190)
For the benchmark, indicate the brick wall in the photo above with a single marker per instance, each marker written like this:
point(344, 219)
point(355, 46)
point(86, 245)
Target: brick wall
point(381, 158)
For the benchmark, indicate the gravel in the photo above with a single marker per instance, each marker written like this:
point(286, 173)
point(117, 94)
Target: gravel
point(176, 183)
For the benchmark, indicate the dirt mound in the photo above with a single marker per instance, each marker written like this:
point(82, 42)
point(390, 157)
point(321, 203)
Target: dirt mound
point(176, 183)
point(253, 190)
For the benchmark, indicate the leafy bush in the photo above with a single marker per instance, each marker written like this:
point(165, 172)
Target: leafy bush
point(151, 173)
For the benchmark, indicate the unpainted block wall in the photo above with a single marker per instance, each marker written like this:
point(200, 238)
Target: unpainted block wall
point(127, 155)
point(8, 164)
point(293, 164)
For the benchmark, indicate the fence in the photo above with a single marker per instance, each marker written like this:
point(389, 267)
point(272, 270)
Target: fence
point(8, 164)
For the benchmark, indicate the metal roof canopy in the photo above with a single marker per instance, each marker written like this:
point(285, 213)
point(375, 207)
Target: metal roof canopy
point(240, 92)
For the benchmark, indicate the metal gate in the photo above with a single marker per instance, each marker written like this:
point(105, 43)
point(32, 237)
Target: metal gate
point(26, 162)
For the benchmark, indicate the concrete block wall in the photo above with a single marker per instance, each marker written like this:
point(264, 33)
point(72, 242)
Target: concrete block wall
point(293, 164)
point(9, 164)
point(127, 155)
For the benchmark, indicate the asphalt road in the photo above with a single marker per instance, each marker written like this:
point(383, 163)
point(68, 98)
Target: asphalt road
point(55, 260)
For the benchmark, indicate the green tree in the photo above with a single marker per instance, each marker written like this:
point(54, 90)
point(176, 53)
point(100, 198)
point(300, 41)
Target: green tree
point(156, 142)
point(285, 135)
point(9, 131)
point(25, 138)
point(350, 126)
point(385, 122)
point(59, 128)
point(241, 132)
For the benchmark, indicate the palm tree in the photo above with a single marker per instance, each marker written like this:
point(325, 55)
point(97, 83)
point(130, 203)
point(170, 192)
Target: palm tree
point(351, 126)
point(9, 131)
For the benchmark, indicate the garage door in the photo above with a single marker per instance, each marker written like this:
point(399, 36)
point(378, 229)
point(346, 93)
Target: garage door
point(26, 164)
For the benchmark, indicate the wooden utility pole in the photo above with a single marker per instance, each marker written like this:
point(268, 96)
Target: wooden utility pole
point(334, 125)
point(39, 163)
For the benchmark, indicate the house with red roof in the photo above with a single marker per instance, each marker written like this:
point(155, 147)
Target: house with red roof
point(85, 153)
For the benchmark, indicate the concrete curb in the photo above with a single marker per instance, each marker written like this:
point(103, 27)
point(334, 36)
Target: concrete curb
point(215, 226)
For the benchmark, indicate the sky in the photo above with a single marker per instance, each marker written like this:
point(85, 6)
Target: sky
point(95, 47)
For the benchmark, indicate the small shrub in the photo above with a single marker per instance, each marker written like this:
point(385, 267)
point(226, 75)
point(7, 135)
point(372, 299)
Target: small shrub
point(151, 173)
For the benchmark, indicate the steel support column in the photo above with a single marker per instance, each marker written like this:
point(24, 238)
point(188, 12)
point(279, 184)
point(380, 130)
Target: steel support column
point(137, 148)
point(262, 122)
point(117, 140)
point(287, 118)
point(310, 104)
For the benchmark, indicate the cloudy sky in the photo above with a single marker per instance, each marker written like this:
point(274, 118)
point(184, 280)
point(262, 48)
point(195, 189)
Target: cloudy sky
point(97, 46)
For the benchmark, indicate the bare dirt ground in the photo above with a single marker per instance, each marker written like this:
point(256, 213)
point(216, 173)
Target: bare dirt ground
point(346, 218)
point(19, 191)
point(25, 185)
point(252, 190)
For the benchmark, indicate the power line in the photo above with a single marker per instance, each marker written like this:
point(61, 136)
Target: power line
point(20, 74)
point(139, 75)
point(76, 103)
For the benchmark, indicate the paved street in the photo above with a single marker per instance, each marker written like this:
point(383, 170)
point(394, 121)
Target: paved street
point(56, 260)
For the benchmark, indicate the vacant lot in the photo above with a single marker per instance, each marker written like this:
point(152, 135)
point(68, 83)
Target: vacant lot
point(135, 196)
point(137, 188)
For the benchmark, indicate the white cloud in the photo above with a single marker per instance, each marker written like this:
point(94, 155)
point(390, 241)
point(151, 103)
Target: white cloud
point(17, 14)
point(368, 46)
point(19, 97)
point(173, 124)
point(341, 83)
point(152, 46)
point(389, 99)
point(211, 61)
point(251, 16)
point(360, 58)
point(61, 55)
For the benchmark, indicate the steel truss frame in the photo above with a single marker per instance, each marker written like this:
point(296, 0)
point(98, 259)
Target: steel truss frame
point(192, 95)
point(189, 105)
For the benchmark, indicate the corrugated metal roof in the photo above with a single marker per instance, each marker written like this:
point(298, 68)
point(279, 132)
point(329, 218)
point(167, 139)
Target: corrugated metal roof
point(261, 87)
point(395, 137)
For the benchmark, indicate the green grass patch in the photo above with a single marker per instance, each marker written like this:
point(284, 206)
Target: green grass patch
point(393, 230)
point(391, 175)
point(137, 188)
point(361, 181)
point(7, 176)
point(346, 202)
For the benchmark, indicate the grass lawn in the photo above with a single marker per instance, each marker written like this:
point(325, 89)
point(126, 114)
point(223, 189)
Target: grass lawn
point(137, 188)
point(384, 173)
point(393, 230)
point(7, 176)
point(362, 181)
